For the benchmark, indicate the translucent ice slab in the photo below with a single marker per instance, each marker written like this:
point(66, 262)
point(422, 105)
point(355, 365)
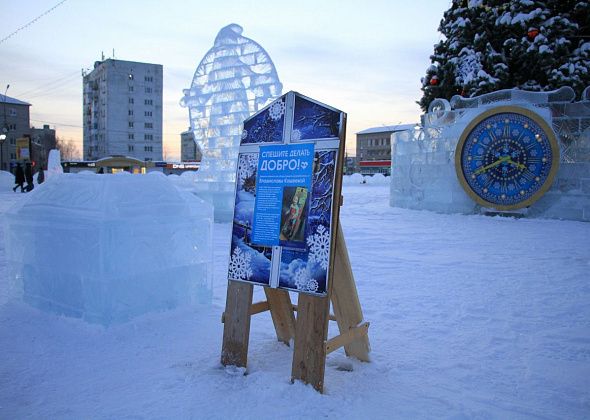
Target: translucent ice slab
point(106, 248)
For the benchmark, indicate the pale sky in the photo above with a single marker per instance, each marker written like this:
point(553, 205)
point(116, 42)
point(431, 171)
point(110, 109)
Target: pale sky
point(365, 58)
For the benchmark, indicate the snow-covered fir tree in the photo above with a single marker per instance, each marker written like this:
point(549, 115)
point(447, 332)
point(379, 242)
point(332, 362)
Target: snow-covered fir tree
point(489, 45)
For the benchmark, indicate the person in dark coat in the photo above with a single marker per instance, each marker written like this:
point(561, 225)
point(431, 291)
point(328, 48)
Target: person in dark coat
point(19, 178)
point(40, 176)
point(29, 176)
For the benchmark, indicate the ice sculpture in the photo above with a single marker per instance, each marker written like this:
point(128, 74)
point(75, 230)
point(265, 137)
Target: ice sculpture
point(54, 164)
point(423, 172)
point(106, 248)
point(235, 79)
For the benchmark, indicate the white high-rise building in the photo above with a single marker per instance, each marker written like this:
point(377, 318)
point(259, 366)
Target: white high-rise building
point(123, 110)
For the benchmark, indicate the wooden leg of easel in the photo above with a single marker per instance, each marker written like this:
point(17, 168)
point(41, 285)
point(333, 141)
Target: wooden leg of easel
point(309, 354)
point(345, 301)
point(281, 311)
point(236, 327)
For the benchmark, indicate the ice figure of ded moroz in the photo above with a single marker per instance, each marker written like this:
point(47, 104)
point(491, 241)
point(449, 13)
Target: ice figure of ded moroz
point(235, 79)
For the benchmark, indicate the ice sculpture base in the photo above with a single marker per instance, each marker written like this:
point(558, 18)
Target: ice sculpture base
point(426, 186)
point(221, 195)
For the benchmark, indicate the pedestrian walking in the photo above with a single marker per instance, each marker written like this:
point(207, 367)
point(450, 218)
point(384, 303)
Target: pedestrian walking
point(19, 178)
point(40, 176)
point(29, 176)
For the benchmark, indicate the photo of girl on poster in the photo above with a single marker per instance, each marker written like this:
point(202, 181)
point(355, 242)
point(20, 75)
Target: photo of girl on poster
point(293, 215)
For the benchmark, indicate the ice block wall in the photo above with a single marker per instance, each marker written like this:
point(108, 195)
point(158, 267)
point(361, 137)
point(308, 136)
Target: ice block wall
point(107, 248)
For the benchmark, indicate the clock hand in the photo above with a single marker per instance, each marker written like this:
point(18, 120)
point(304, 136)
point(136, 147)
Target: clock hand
point(518, 165)
point(491, 165)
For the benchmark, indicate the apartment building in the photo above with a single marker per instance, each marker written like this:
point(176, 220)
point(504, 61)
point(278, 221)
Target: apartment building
point(122, 106)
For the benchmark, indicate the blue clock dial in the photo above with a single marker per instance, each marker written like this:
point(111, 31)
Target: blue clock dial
point(507, 160)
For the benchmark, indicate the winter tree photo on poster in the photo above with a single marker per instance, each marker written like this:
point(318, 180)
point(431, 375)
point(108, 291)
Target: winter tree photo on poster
point(282, 224)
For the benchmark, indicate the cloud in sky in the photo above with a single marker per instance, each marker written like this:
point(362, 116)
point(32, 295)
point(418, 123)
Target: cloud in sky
point(363, 58)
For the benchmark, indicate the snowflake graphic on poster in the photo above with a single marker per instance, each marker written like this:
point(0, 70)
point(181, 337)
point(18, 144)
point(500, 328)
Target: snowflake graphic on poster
point(247, 165)
point(304, 282)
point(239, 265)
point(296, 135)
point(244, 134)
point(319, 246)
point(277, 110)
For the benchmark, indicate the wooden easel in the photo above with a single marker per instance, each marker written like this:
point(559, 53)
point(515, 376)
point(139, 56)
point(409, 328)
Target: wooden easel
point(310, 330)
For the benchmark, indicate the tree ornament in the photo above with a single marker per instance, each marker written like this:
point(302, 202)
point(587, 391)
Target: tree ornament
point(532, 33)
point(434, 80)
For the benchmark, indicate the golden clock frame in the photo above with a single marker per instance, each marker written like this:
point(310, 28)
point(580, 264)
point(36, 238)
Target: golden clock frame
point(554, 162)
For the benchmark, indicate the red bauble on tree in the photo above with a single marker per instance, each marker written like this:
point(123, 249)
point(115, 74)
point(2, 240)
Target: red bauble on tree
point(434, 80)
point(532, 33)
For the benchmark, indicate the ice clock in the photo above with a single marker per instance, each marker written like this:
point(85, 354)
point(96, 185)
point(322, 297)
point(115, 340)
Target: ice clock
point(507, 158)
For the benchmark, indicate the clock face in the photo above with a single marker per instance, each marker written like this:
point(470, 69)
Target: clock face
point(507, 158)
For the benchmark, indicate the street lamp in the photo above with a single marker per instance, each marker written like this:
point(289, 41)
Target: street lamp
point(4, 131)
point(2, 138)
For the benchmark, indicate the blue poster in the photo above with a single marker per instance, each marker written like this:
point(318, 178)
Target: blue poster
point(283, 187)
point(284, 203)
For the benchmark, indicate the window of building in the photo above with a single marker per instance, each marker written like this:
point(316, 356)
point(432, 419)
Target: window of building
point(130, 148)
point(148, 136)
point(131, 136)
point(148, 148)
point(130, 88)
point(148, 102)
point(130, 76)
point(130, 112)
point(130, 100)
point(149, 125)
point(148, 113)
point(148, 90)
point(148, 78)
point(12, 112)
point(130, 124)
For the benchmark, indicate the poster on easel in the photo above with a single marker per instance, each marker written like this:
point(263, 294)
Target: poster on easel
point(282, 225)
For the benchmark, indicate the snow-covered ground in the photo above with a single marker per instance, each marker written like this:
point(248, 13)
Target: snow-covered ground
point(471, 317)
